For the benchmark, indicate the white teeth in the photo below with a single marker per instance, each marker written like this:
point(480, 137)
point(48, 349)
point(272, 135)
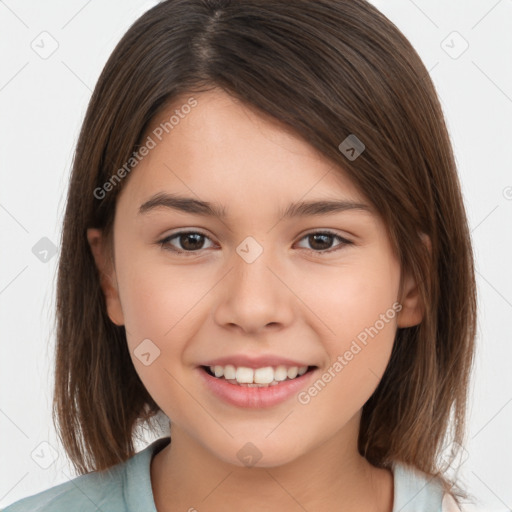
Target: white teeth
point(254, 377)
point(280, 373)
point(244, 375)
point(264, 375)
point(292, 372)
point(229, 372)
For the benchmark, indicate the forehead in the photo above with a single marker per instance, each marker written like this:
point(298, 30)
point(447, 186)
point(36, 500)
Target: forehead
point(224, 148)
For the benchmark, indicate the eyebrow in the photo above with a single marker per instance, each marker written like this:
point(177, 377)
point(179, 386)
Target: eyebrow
point(204, 208)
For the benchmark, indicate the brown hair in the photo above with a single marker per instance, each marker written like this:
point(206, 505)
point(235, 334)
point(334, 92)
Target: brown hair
point(326, 69)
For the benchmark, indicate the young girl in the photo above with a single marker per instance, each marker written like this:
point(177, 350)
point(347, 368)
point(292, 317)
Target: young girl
point(265, 241)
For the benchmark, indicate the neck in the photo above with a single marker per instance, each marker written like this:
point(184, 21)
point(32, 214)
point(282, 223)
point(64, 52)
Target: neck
point(332, 476)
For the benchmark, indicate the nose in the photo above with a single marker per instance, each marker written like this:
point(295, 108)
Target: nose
point(255, 294)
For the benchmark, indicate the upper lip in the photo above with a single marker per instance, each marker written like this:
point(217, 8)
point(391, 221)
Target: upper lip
point(253, 361)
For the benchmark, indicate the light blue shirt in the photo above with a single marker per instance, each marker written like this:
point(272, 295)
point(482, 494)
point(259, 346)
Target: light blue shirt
point(126, 487)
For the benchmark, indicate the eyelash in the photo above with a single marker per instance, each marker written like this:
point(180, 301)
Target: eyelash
point(165, 243)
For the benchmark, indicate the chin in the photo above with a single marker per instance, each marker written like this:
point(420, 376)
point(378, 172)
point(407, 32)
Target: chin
point(254, 453)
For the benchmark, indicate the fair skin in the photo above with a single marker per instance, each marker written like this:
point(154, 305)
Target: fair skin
point(292, 301)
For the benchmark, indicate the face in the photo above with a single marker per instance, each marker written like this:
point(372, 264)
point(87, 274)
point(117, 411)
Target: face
point(310, 289)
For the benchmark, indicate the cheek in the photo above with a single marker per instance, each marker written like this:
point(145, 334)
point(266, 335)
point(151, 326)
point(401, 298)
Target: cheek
point(358, 311)
point(157, 305)
point(159, 300)
point(161, 303)
point(350, 298)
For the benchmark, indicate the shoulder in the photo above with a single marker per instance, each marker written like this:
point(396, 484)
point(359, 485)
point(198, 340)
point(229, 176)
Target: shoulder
point(84, 493)
point(415, 491)
point(126, 483)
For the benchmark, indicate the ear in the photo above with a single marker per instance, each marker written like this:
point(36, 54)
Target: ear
point(413, 307)
point(106, 271)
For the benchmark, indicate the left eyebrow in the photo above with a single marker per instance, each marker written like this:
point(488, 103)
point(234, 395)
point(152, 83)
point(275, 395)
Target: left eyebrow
point(204, 208)
point(325, 207)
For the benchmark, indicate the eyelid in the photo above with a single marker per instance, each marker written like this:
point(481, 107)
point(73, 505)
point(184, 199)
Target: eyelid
point(342, 239)
point(165, 241)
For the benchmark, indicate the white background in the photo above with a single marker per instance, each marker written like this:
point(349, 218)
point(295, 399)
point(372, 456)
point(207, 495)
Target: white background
point(42, 104)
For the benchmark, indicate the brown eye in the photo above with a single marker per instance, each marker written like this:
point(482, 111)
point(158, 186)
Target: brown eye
point(191, 242)
point(185, 242)
point(321, 242)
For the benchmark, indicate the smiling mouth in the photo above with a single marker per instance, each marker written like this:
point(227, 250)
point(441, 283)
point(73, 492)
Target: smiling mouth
point(261, 377)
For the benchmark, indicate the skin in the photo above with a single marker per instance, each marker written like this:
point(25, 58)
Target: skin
point(291, 301)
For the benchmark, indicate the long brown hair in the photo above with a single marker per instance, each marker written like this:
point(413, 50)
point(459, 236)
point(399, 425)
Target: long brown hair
point(326, 69)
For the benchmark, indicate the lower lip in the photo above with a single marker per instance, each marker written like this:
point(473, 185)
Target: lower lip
point(254, 397)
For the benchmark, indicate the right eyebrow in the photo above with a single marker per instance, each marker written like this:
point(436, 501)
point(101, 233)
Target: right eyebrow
point(184, 204)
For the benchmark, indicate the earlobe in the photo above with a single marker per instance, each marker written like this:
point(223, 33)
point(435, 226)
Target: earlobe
point(108, 281)
point(413, 307)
